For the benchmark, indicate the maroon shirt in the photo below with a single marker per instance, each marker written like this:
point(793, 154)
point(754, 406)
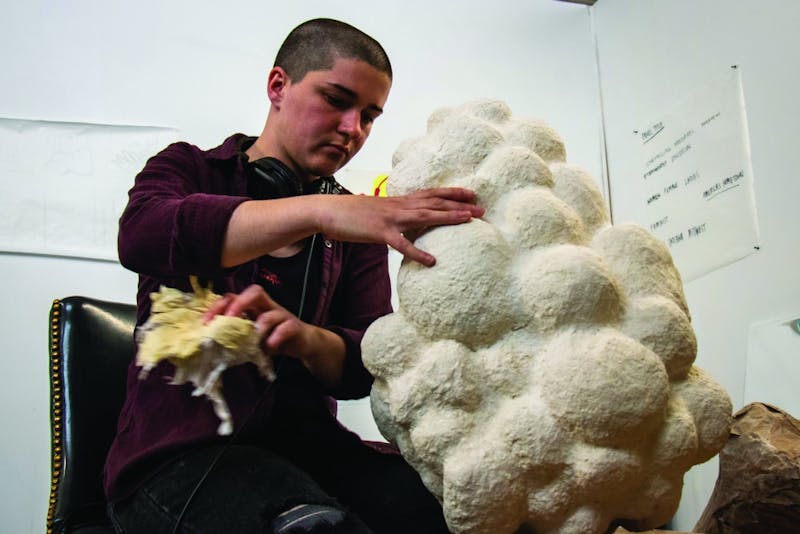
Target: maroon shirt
point(173, 226)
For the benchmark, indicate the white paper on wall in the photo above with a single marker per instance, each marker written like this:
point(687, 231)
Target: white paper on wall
point(696, 179)
point(63, 185)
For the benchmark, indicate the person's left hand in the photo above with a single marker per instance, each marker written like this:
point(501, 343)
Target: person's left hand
point(281, 331)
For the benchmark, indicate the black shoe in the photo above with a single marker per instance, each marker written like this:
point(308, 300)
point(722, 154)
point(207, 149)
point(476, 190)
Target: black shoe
point(308, 519)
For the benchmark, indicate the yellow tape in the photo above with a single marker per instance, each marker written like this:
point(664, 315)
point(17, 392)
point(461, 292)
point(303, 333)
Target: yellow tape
point(379, 185)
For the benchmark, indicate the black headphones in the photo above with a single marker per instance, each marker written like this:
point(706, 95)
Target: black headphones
point(269, 178)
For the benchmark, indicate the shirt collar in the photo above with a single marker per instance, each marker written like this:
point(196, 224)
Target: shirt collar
point(230, 148)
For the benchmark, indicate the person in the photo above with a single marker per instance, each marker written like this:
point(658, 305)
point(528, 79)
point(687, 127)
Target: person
point(265, 223)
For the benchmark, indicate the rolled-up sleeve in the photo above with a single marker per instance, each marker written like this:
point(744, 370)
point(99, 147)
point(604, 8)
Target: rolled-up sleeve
point(170, 227)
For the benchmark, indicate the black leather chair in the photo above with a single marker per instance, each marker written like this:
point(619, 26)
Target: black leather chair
point(91, 345)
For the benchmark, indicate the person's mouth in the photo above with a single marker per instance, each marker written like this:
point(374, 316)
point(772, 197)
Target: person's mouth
point(341, 149)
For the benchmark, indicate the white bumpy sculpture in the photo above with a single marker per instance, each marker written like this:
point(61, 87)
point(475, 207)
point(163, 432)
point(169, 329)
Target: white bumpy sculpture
point(539, 377)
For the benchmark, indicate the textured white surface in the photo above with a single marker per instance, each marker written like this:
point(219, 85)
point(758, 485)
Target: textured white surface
point(540, 374)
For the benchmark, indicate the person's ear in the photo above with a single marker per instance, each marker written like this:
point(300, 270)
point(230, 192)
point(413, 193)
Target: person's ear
point(277, 82)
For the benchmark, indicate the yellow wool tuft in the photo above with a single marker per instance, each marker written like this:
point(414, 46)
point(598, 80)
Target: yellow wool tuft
point(176, 330)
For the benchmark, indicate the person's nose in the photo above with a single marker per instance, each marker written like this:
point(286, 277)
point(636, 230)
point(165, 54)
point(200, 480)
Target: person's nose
point(350, 124)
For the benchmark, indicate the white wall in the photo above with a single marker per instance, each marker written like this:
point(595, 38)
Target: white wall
point(651, 53)
point(200, 67)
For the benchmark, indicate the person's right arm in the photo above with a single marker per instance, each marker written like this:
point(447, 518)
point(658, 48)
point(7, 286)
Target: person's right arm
point(182, 218)
point(260, 226)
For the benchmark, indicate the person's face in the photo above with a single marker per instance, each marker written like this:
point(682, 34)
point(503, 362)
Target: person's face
point(325, 118)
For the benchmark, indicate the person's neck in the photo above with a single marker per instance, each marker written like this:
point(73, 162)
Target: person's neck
point(255, 151)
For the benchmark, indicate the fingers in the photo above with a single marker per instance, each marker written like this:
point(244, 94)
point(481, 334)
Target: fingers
point(452, 193)
point(429, 208)
point(446, 200)
point(249, 303)
point(280, 331)
point(218, 308)
point(431, 217)
point(407, 249)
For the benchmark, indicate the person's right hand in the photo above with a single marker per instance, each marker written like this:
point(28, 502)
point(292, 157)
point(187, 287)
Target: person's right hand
point(396, 220)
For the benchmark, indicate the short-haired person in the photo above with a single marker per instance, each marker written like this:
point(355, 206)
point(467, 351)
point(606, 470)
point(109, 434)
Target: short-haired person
point(263, 221)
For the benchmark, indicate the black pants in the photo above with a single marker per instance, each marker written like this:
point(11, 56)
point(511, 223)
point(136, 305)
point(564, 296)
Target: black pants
point(251, 484)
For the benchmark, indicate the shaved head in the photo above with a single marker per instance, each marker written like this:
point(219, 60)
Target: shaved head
point(317, 43)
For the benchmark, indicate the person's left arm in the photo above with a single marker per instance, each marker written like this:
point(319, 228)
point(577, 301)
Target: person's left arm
point(320, 350)
point(332, 352)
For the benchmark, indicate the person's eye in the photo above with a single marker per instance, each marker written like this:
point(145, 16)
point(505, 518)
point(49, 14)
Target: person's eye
point(367, 119)
point(336, 101)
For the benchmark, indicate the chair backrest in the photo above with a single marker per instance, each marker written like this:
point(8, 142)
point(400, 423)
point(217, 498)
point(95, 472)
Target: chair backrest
point(91, 345)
